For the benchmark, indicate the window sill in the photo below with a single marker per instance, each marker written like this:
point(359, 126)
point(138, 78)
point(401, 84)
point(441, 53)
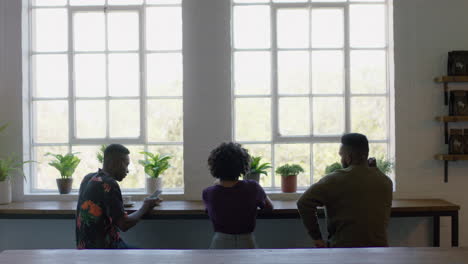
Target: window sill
point(196, 209)
point(169, 195)
point(73, 196)
point(166, 210)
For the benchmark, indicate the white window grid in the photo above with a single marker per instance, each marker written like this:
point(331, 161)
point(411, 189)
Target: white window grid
point(71, 99)
point(276, 137)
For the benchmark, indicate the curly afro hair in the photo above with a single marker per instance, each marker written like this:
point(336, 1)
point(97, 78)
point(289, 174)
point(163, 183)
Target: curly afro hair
point(228, 161)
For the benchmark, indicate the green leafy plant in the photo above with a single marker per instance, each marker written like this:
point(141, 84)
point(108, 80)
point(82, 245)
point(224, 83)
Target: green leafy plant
point(100, 153)
point(65, 164)
point(258, 168)
point(333, 167)
point(3, 127)
point(155, 164)
point(384, 165)
point(10, 165)
point(289, 170)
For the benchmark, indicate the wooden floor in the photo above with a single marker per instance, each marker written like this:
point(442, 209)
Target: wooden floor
point(258, 256)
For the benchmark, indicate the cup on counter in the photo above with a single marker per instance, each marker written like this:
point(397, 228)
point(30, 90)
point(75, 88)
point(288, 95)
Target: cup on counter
point(127, 199)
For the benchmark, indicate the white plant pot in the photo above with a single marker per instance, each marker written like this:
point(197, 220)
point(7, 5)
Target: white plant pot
point(254, 176)
point(153, 184)
point(5, 192)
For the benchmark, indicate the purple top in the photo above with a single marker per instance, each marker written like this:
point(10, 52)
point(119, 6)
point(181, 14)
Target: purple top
point(233, 210)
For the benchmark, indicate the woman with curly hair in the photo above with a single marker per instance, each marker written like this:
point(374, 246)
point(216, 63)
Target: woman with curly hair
point(232, 203)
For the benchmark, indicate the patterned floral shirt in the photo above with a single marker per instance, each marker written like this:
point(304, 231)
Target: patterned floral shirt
point(99, 207)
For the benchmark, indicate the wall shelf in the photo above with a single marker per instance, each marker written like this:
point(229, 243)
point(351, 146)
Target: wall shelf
point(445, 80)
point(450, 119)
point(448, 157)
point(451, 157)
point(449, 79)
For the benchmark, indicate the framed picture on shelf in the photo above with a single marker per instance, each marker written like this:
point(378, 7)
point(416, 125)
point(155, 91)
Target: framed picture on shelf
point(456, 141)
point(458, 105)
point(457, 63)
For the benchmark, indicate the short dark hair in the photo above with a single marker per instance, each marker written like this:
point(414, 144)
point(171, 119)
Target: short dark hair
point(115, 151)
point(356, 143)
point(228, 161)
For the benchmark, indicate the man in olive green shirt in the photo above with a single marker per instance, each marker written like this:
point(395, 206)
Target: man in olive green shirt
point(357, 200)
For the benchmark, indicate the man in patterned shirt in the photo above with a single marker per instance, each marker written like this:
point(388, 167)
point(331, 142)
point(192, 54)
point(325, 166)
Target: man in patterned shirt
point(100, 215)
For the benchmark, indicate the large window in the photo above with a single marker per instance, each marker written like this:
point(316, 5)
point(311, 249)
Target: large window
point(286, 78)
point(305, 72)
point(105, 71)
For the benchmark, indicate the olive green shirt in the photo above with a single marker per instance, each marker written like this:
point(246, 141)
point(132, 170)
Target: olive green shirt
point(357, 200)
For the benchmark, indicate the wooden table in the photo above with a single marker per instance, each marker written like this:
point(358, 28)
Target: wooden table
point(254, 256)
point(434, 208)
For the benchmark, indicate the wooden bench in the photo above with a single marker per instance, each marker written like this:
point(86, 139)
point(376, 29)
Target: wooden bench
point(434, 208)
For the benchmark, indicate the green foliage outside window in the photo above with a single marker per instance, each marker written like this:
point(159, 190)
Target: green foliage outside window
point(100, 154)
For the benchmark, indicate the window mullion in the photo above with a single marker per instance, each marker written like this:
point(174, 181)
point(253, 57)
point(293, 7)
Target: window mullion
point(311, 99)
point(106, 41)
point(71, 81)
point(347, 57)
point(389, 66)
point(143, 89)
point(312, 171)
point(107, 141)
point(274, 91)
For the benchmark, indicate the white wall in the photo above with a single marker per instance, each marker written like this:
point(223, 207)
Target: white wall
point(424, 31)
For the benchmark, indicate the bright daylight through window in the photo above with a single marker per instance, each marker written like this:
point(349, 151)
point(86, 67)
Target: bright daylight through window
point(89, 85)
point(305, 72)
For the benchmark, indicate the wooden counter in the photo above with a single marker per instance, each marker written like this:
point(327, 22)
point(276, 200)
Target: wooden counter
point(196, 208)
point(253, 256)
point(434, 208)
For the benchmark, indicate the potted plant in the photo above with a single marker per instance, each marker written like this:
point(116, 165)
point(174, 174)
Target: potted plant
point(154, 165)
point(256, 169)
point(100, 154)
point(384, 165)
point(333, 167)
point(289, 177)
point(3, 127)
point(8, 167)
point(66, 165)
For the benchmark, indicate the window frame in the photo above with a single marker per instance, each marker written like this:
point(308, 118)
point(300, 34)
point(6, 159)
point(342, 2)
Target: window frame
point(276, 137)
point(200, 135)
point(73, 141)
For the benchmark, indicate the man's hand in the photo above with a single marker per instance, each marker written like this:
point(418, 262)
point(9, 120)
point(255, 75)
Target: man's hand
point(150, 203)
point(128, 221)
point(320, 244)
point(372, 162)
